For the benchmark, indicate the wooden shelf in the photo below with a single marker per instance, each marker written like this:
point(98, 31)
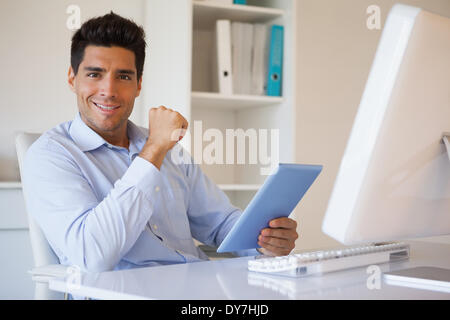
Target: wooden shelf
point(206, 14)
point(234, 102)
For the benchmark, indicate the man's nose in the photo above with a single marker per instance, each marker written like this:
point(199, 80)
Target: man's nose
point(108, 87)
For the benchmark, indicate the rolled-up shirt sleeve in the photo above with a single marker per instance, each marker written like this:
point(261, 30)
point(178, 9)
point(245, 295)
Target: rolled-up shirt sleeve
point(83, 230)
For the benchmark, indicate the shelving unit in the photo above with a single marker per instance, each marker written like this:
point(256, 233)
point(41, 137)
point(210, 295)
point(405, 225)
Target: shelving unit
point(239, 111)
point(206, 13)
point(232, 102)
point(179, 76)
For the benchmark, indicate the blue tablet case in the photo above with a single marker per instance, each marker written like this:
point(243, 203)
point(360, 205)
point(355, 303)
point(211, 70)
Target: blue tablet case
point(278, 196)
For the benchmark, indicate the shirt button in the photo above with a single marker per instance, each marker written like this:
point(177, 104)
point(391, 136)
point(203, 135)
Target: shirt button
point(155, 227)
point(157, 189)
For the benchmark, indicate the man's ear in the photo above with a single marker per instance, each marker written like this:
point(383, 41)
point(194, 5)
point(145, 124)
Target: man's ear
point(139, 87)
point(71, 79)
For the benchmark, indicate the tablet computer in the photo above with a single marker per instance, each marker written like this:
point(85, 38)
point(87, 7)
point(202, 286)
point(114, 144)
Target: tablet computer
point(279, 195)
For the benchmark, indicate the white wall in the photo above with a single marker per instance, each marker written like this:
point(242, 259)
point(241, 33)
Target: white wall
point(167, 73)
point(35, 57)
point(334, 51)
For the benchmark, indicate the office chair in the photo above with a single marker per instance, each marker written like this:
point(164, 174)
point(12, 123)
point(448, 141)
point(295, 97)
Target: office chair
point(46, 263)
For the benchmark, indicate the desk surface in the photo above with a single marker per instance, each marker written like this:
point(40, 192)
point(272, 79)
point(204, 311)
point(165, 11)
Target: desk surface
point(230, 279)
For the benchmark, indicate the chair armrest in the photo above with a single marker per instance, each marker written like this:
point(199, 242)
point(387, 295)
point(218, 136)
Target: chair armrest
point(45, 273)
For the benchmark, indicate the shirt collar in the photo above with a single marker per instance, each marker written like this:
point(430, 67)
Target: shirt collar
point(87, 139)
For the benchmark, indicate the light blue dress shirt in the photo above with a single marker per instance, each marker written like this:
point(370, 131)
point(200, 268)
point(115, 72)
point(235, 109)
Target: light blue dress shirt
point(103, 207)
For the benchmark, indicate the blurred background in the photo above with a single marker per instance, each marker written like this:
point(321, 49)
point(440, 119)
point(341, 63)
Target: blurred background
point(334, 50)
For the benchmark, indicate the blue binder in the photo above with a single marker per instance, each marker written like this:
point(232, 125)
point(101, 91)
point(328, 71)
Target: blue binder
point(240, 1)
point(275, 61)
point(279, 195)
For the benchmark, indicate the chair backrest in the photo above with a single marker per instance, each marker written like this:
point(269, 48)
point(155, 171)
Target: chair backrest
point(42, 252)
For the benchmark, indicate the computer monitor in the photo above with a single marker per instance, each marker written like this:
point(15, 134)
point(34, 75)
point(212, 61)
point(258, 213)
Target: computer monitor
point(394, 179)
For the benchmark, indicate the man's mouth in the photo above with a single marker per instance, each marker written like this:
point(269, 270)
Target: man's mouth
point(105, 107)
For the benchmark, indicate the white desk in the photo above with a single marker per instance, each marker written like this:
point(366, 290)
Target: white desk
point(229, 279)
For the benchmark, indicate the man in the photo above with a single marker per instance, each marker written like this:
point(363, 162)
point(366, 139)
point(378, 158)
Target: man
point(105, 192)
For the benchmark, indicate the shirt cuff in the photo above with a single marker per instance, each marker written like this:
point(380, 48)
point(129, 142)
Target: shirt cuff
point(145, 176)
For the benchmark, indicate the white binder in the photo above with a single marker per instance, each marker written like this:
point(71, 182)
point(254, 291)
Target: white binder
point(242, 47)
point(223, 77)
point(259, 59)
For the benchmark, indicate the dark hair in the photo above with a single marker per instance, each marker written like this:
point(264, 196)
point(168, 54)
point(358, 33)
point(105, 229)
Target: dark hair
point(107, 31)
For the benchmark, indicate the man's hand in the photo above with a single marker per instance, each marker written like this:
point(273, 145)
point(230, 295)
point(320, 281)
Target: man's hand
point(279, 238)
point(166, 128)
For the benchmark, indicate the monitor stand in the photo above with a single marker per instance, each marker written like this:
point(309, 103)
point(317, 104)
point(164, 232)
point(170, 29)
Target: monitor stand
point(428, 278)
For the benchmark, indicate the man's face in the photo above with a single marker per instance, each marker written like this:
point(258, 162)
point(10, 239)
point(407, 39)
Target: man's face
point(106, 87)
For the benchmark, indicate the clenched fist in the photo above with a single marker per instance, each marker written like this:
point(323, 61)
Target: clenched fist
point(166, 128)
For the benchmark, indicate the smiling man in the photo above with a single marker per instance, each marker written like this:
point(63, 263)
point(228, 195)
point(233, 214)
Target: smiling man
point(105, 192)
point(106, 91)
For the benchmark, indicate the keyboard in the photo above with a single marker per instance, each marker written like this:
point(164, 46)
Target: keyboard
point(319, 262)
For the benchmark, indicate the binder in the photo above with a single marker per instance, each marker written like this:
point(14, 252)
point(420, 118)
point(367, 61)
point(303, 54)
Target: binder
point(240, 1)
point(223, 77)
point(236, 34)
point(241, 37)
point(259, 59)
point(275, 61)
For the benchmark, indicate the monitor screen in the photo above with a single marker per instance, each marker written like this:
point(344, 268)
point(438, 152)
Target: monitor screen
point(393, 182)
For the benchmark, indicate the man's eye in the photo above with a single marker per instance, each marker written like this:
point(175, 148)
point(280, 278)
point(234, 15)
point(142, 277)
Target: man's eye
point(124, 77)
point(93, 75)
